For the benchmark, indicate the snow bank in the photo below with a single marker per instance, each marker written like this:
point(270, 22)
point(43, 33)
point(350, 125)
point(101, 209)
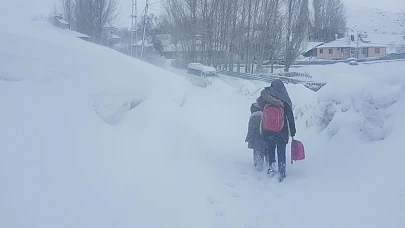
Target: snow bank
point(363, 106)
point(360, 105)
point(46, 60)
point(84, 141)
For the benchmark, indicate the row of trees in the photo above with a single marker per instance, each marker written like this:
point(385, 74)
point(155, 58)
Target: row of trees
point(329, 19)
point(89, 16)
point(225, 33)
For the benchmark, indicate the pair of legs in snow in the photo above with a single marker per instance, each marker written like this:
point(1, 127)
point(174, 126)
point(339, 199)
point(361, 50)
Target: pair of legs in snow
point(269, 155)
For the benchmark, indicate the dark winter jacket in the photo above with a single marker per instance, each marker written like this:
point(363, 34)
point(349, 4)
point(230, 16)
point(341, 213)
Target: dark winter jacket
point(267, 96)
point(254, 138)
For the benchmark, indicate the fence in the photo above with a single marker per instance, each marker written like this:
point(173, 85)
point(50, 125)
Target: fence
point(392, 57)
point(285, 77)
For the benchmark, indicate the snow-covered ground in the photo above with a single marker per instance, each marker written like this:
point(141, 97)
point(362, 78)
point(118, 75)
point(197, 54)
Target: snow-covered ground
point(93, 138)
point(346, 72)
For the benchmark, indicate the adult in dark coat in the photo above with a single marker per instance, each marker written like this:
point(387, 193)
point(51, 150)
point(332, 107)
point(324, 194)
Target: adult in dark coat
point(277, 95)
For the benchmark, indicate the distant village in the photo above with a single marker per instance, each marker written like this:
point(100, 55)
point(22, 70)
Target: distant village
point(353, 45)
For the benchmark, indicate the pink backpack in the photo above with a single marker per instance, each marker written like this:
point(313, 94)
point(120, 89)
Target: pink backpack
point(273, 118)
point(297, 151)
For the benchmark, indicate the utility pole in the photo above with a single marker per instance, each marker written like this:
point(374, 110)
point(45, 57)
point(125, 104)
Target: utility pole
point(69, 13)
point(144, 27)
point(134, 17)
point(357, 51)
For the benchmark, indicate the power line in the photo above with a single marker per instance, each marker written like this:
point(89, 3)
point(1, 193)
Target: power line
point(134, 18)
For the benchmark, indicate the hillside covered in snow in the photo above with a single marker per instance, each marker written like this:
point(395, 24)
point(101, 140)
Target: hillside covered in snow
point(373, 20)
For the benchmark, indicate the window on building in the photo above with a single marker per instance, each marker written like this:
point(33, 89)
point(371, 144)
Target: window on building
point(330, 51)
point(338, 49)
point(364, 51)
point(377, 50)
point(321, 51)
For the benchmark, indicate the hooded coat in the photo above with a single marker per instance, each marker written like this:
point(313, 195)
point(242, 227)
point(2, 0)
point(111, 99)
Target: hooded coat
point(277, 95)
point(254, 138)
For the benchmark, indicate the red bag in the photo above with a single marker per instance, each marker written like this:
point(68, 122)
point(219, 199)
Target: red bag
point(273, 118)
point(297, 151)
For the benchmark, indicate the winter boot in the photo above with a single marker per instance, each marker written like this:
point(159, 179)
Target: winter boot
point(271, 172)
point(281, 170)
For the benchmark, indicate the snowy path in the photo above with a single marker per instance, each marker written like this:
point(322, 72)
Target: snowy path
point(320, 191)
point(316, 193)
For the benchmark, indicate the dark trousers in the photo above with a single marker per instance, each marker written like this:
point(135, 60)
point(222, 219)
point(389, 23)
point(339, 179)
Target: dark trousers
point(281, 156)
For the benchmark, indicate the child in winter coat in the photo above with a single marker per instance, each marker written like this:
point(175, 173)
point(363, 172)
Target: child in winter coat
point(254, 138)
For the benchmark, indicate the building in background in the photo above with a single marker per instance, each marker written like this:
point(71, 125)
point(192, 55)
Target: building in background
point(362, 46)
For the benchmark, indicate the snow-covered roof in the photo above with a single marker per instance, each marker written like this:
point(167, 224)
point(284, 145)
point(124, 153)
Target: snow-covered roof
point(347, 42)
point(367, 40)
point(312, 45)
point(390, 41)
point(115, 37)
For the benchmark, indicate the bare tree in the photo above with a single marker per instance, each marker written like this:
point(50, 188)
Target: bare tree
point(89, 16)
point(230, 31)
point(297, 28)
point(329, 19)
point(271, 32)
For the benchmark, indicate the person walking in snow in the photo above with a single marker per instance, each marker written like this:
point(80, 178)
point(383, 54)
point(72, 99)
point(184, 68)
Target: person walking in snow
point(254, 138)
point(275, 100)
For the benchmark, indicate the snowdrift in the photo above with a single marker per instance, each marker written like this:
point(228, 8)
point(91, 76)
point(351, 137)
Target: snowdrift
point(84, 141)
point(366, 108)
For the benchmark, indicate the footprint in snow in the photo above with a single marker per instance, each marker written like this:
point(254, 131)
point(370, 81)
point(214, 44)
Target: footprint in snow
point(213, 200)
point(244, 172)
point(221, 214)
